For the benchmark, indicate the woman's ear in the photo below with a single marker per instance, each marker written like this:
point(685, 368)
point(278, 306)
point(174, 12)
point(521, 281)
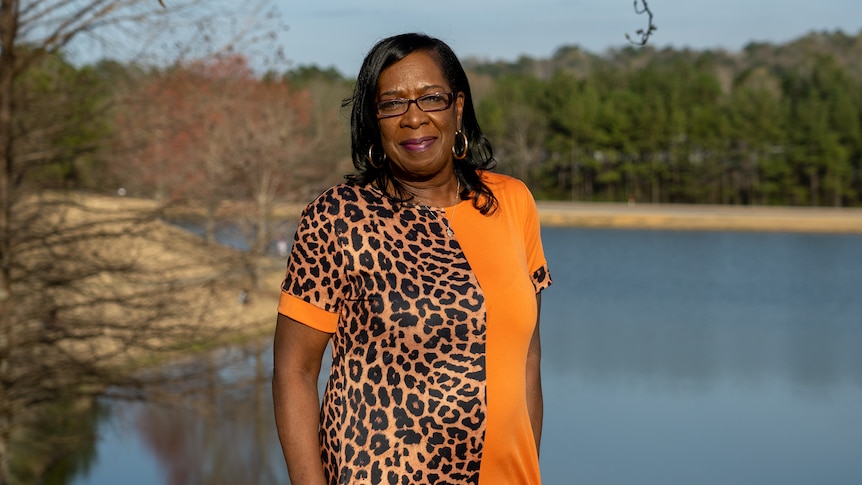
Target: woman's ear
point(459, 110)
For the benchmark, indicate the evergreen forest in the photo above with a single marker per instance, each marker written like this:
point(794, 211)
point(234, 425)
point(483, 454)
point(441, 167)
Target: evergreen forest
point(769, 125)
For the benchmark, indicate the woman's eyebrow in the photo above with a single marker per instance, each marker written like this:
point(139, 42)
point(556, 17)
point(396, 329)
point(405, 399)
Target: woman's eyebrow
point(399, 92)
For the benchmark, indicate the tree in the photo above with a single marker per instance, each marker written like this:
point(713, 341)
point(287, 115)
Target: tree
point(824, 132)
point(755, 116)
point(217, 136)
point(88, 287)
point(512, 116)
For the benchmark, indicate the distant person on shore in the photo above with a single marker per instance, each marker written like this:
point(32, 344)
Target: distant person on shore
point(424, 273)
point(281, 247)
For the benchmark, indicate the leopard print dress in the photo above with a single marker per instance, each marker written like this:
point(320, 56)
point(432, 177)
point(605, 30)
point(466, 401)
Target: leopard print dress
point(407, 400)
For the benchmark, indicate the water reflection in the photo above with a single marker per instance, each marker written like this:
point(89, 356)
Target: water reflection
point(669, 358)
point(59, 443)
point(703, 358)
point(692, 308)
point(220, 432)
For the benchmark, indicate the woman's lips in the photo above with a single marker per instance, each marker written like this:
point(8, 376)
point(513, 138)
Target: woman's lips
point(418, 144)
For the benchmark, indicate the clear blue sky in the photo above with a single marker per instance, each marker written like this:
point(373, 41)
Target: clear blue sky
point(338, 33)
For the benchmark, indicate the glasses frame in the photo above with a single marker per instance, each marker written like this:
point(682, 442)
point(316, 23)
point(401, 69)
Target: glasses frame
point(451, 96)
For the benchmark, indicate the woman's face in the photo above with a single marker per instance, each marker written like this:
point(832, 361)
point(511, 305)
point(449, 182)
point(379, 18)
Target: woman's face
point(418, 143)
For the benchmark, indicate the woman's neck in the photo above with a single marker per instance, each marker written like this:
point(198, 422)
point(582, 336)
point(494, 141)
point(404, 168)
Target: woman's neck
point(442, 193)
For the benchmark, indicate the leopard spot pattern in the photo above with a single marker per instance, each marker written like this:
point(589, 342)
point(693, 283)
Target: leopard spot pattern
point(405, 400)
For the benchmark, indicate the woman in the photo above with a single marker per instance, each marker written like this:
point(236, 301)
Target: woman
point(424, 273)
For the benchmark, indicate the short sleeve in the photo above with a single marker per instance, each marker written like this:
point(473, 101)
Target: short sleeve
point(313, 289)
point(538, 265)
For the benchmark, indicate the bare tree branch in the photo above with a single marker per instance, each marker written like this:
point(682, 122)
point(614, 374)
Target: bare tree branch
point(92, 289)
point(644, 34)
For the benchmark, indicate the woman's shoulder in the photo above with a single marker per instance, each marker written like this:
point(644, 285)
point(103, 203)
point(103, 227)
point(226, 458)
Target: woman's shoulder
point(505, 186)
point(344, 198)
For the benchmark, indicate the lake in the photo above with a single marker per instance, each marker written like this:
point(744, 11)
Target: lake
point(668, 358)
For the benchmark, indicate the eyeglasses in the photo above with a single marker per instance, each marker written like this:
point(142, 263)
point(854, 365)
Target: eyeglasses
point(427, 103)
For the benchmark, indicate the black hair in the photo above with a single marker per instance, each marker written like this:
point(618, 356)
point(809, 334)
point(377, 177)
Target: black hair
point(365, 130)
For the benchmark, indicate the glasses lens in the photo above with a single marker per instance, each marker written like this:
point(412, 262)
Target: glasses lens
point(429, 102)
point(434, 102)
point(392, 107)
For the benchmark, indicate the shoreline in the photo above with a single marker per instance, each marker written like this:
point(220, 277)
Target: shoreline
point(687, 217)
point(700, 217)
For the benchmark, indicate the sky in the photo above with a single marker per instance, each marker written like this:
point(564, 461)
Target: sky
point(338, 33)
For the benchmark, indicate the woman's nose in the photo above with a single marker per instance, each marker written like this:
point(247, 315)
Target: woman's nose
point(414, 115)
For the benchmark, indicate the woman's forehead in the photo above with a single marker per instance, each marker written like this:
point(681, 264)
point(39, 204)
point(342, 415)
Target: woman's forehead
point(417, 71)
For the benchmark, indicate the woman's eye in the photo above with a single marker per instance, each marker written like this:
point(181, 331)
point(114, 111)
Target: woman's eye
point(391, 105)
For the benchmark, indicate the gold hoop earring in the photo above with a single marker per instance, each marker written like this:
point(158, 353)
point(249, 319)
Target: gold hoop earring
point(371, 158)
point(463, 154)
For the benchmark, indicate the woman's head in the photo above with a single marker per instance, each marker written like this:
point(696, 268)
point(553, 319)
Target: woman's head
point(366, 126)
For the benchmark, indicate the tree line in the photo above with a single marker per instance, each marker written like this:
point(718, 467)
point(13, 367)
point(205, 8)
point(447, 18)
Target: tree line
point(771, 125)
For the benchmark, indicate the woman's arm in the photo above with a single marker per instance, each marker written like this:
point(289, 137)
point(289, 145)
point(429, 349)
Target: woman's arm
point(535, 402)
point(297, 353)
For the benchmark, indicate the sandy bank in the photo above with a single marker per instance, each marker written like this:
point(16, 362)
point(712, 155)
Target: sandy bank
point(684, 217)
point(701, 217)
point(659, 216)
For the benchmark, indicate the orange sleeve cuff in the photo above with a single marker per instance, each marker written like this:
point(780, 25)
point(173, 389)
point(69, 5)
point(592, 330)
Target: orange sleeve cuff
point(306, 313)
